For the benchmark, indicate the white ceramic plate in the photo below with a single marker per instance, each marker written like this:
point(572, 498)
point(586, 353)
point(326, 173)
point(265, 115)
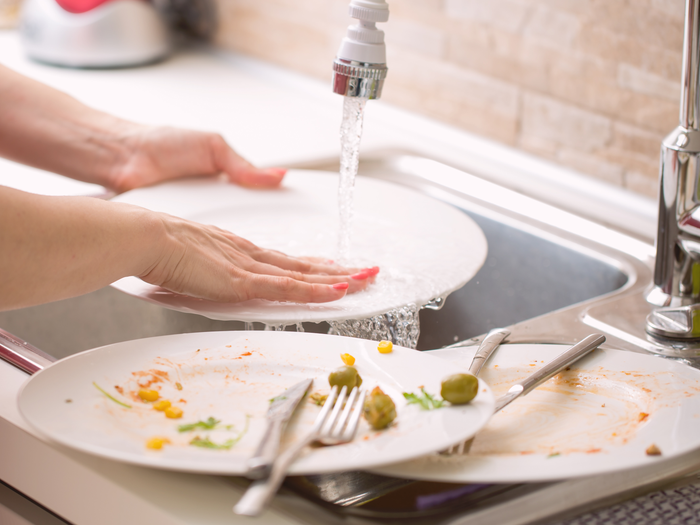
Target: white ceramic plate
point(589, 420)
point(230, 376)
point(425, 248)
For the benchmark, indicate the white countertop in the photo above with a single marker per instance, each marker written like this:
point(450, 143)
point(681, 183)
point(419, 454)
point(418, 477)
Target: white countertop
point(274, 118)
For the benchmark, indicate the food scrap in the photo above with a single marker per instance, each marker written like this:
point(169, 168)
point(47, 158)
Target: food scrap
point(178, 386)
point(209, 424)
point(379, 409)
point(206, 442)
point(149, 395)
point(459, 389)
point(156, 443)
point(424, 400)
point(554, 455)
point(318, 399)
point(653, 450)
point(173, 412)
point(111, 397)
point(345, 376)
point(385, 347)
point(347, 359)
point(161, 405)
point(643, 416)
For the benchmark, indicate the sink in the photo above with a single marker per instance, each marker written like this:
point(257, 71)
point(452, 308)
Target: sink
point(544, 265)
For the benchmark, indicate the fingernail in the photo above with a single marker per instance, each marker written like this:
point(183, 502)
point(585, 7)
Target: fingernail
point(330, 261)
point(360, 275)
point(341, 286)
point(371, 272)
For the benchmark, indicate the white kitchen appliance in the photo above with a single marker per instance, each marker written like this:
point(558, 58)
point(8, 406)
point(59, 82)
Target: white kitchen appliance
point(94, 33)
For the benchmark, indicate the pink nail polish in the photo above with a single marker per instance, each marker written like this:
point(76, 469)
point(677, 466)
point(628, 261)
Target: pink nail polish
point(371, 272)
point(359, 276)
point(341, 286)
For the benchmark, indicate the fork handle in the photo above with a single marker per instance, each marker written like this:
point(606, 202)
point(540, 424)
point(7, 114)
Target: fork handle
point(494, 338)
point(261, 491)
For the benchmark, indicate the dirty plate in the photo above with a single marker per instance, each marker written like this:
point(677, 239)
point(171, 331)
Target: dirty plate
point(425, 248)
point(600, 416)
point(231, 376)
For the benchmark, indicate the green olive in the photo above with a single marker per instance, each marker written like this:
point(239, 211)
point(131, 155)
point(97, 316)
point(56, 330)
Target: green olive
point(379, 409)
point(345, 376)
point(459, 389)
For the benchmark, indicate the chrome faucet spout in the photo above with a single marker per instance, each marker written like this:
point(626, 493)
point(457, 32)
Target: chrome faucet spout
point(360, 68)
point(677, 271)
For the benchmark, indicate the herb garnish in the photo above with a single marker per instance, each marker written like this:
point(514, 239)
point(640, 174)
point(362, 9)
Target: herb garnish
point(281, 397)
point(111, 397)
point(425, 400)
point(206, 442)
point(209, 424)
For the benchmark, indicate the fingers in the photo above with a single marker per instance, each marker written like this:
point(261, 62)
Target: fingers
point(291, 290)
point(242, 172)
point(356, 281)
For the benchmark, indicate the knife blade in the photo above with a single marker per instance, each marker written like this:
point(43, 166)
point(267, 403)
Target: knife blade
point(552, 368)
point(281, 409)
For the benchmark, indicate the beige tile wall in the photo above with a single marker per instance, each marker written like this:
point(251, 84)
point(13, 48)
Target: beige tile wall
point(591, 84)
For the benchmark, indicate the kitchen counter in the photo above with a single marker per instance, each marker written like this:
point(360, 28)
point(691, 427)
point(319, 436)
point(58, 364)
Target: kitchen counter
point(272, 117)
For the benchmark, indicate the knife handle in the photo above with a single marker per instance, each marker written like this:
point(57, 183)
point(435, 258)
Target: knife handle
point(260, 464)
point(494, 338)
point(563, 360)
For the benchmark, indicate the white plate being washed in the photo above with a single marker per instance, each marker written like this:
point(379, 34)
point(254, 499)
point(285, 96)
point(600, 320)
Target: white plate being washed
point(231, 376)
point(425, 248)
point(600, 416)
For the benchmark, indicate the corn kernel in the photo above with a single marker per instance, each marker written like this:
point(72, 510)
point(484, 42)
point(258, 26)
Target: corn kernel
point(149, 395)
point(347, 359)
point(385, 347)
point(157, 443)
point(173, 412)
point(162, 405)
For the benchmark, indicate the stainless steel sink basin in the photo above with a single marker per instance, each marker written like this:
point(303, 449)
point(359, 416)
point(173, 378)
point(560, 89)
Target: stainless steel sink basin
point(536, 265)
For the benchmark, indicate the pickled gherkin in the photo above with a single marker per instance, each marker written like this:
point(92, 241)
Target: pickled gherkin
point(459, 389)
point(379, 409)
point(345, 376)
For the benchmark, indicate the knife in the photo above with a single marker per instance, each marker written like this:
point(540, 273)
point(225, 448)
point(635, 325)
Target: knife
point(281, 409)
point(552, 368)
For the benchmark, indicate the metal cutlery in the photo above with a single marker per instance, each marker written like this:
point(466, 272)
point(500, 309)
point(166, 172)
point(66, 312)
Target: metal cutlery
point(490, 342)
point(336, 423)
point(281, 409)
point(566, 358)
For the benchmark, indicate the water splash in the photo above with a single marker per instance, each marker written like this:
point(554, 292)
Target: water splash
point(401, 326)
point(350, 135)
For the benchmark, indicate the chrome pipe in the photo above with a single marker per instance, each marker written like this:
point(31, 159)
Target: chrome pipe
point(677, 269)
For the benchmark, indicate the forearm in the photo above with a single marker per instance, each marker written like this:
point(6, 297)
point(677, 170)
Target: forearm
point(50, 130)
point(53, 248)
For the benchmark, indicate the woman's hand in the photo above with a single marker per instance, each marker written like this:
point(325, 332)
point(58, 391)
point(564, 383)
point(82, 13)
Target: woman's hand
point(150, 155)
point(211, 263)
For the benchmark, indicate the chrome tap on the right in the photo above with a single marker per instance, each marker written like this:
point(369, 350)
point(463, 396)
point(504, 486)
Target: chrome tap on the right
point(676, 285)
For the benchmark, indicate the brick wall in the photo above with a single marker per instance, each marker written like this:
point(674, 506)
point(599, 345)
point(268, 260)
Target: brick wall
point(591, 84)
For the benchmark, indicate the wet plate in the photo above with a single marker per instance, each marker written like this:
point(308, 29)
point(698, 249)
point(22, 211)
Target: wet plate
point(231, 376)
point(425, 248)
point(599, 416)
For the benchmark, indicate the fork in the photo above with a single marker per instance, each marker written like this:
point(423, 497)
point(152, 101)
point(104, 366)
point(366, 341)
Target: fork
point(492, 340)
point(336, 424)
point(552, 368)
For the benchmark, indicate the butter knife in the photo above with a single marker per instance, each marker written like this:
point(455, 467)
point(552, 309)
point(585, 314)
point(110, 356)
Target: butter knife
point(281, 409)
point(551, 369)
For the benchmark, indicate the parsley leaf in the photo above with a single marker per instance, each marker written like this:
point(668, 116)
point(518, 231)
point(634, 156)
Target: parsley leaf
point(425, 400)
point(208, 443)
point(209, 424)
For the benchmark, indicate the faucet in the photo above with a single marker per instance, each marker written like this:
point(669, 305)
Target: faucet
point(359, 69)
point(676, 286)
